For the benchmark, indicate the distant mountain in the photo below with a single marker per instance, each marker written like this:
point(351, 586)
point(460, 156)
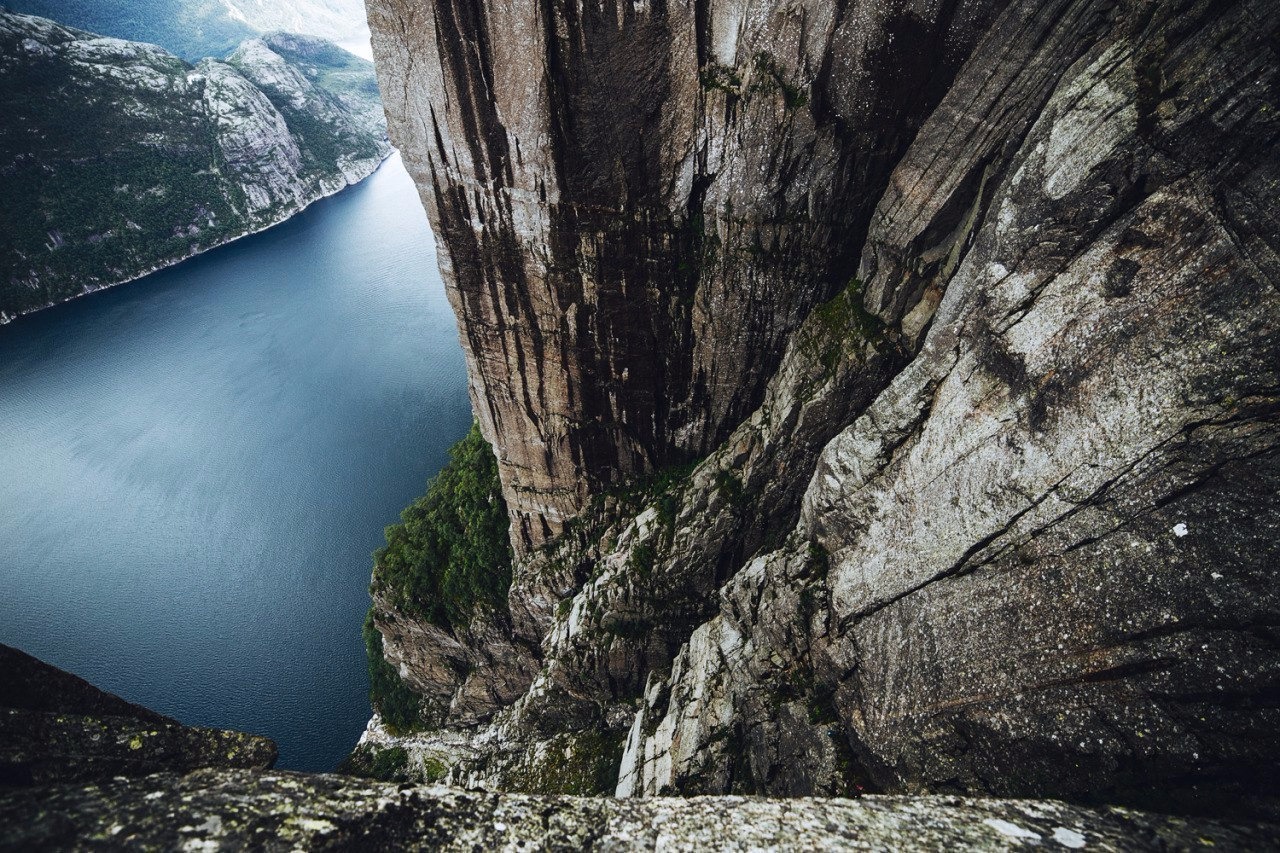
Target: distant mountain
point(198, 28)
point(118, 157)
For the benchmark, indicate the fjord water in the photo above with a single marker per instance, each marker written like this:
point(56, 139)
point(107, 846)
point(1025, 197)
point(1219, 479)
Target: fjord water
point(197, 466)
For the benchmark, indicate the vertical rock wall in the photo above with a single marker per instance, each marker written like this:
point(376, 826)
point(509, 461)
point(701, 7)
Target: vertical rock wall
point(638, 202)
point(980, 342)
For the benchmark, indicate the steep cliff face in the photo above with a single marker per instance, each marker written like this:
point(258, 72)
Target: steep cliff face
point(642, 201)
point(119, 158)
point(971, 309)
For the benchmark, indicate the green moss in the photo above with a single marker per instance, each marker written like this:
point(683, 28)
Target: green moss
point(451, 553)
point(386, 765)
point(434, 770)
point(583, 764)
point(837, 321)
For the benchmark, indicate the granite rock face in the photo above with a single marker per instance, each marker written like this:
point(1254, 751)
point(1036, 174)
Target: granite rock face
point(226, 809)
point(120, 158)
point(970, 312)
point(57, 728)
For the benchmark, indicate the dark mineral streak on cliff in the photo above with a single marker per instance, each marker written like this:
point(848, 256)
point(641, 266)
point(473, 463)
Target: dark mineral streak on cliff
point(640, 202)
point(969, 310)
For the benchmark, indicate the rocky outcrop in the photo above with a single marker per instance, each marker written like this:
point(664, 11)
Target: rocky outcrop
point(104, 773)
point(971, 309)
point(121, 158)
point(57, 728)
point(223, 809)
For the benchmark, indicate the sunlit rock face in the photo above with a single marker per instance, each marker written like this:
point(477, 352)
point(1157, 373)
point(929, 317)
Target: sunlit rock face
point(972, 310)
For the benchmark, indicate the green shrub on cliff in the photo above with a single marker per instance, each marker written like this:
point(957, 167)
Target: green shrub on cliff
point(451, 552)
point(398, 705)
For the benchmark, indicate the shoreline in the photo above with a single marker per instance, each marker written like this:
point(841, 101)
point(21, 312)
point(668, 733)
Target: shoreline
point(5, 319)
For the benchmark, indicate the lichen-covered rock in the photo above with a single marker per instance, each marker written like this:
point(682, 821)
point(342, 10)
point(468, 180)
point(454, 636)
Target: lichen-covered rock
point(55, 727)
point(224, 809)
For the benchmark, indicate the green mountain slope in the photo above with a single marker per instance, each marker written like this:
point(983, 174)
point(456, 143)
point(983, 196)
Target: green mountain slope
point(118, 157)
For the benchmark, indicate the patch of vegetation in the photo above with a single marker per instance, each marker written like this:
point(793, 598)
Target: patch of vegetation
point(819, 561)
point(450, 555)
point(643, 558)
point(390, 763)
point(434, 770)
point(385, 765)
point(584, 764)
point(721, 78)
point(626, 627)
point(661, 488)
point(729, 485)
point(835, 321)
point(397, 703)
point(769, 76)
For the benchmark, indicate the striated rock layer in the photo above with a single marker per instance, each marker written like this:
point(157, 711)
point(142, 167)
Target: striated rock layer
point(972, 309)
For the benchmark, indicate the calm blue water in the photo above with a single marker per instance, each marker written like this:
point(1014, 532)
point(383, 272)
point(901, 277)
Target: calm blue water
point(195, 467)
